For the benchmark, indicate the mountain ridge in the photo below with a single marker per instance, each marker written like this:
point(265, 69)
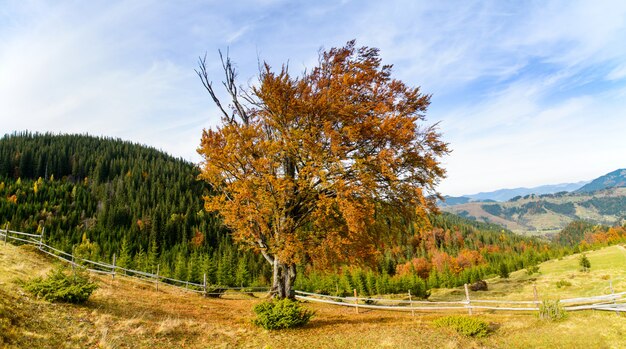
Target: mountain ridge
point(501, 195)
point(614, 179)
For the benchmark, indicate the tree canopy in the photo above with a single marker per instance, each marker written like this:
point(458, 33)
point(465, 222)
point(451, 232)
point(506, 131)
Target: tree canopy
point(305, 166)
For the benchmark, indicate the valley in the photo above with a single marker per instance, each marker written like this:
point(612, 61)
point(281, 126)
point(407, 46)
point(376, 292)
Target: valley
point(546, 214)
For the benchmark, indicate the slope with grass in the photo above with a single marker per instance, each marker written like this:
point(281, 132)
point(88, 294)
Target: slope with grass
point(126, 314)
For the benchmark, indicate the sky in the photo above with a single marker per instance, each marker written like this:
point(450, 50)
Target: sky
point(525, 92)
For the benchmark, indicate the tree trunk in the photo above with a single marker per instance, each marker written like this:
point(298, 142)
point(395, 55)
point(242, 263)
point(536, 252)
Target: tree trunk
point(284, 276)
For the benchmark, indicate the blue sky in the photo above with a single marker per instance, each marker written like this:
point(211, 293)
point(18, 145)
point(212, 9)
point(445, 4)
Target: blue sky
point(526, 92)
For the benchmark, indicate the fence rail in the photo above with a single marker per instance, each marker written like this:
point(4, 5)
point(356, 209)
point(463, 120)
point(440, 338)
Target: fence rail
point(617, 303)
point(115, 270)
point(608, 302)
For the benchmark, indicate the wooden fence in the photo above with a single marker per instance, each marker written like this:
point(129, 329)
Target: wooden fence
point(114, 270)
point(613, 302)
point(610, 302)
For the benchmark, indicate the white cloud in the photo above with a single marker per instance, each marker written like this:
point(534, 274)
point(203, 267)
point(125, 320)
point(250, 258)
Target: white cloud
point(517, 86)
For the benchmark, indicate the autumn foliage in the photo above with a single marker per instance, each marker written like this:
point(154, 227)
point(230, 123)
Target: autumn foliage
point(305, 168)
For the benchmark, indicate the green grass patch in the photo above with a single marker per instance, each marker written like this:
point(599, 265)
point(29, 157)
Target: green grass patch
point(563, 283)
point(552, 310)
point(465, 325)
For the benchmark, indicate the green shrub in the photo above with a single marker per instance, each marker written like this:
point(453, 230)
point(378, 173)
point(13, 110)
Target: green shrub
point(533, 269)
point(280, 314)
point(503, 271)
point(465, 325)
point(552, 310)
point(61, 286)
point(584, 263)
point(563, 283)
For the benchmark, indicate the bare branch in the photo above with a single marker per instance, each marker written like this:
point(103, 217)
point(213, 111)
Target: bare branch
point(204, 77)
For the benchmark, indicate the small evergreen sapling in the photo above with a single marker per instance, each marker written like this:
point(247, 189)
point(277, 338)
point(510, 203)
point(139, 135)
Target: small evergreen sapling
point(584, 263)
point(61, 286)
point(280, 314)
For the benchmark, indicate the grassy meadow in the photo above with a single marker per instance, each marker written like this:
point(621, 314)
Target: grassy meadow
point(129, 314)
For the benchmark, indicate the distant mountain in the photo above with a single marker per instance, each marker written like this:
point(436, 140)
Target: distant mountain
point(613, 179)
point(548, 212)
point(454, 200)
point(507, 194)
point(549, 208)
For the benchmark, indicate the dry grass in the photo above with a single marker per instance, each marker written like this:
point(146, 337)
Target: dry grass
point(129, 314)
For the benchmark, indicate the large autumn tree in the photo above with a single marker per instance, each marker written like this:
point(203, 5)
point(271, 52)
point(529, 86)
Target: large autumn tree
point(310, 168)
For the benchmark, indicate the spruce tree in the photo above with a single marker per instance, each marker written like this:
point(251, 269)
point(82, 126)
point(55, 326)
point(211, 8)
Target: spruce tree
point(242, 275)
point(124, 260)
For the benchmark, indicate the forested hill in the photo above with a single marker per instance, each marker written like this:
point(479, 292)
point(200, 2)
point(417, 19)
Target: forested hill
point(119, 195)
point(100, 196)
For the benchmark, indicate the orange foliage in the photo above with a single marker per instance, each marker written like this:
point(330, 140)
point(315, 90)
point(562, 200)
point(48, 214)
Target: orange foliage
point(442, 261)
point(468, 258)
point(197, 239)
point(421, 266)
point(303, 167)
point(600, 237)
point(490, 249)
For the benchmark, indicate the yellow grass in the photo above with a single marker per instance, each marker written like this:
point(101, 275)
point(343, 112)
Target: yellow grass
point(129, 314)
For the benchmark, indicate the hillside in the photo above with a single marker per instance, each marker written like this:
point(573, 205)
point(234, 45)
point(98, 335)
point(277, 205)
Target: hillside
point(118, 197)
point(507, 194)
point(105, 196)
point(126, 314)
point(550, 212)
point(613, 179)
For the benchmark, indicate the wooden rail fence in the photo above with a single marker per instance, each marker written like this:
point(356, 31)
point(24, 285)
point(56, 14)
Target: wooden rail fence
point(115, 270)
point(609, 302)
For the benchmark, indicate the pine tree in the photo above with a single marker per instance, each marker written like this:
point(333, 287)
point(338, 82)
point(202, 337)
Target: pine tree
point(210, 268)
point(180, 268)
point(224, 273)
point(124, 260)
point(503, 271)
point(141, 260)
point(194, 268)
point(153, 254)
point(584, 263)
point(242, 275)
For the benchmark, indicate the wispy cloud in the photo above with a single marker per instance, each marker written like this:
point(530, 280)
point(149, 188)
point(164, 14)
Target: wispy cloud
point(523, 90)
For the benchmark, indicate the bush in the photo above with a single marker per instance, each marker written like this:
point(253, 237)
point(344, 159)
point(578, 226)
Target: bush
point(533, 269)
point(584, 263)
point(563, 283)
point(60, 286)
point(503, 271)
point(465, 325)
point(280, 314)
point(552, 311)
point(480, 285)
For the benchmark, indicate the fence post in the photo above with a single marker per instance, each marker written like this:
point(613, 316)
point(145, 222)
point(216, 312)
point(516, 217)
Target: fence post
point(157, 278)
point(43, 231)
point(613, 294)
point(204, 285)
point(113, 268)
point(73, 264)
point(467, 298)
point(356, 301)
point(536, 296)
point(6, 233)
point(411, 304)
